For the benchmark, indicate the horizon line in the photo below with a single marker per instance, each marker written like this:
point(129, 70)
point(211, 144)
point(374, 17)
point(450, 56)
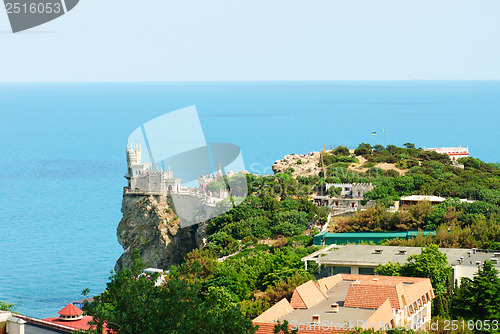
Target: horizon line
point(232, 81)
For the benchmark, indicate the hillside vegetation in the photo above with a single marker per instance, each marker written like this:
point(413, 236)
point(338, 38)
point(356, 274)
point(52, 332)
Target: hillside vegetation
point(280, 205)
point(252, 256)
point(458, 224)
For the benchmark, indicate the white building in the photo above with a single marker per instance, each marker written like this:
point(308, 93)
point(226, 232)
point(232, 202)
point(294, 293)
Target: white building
point(364, 259)
point(454, 153)
point(350, 198)
point(11, 324)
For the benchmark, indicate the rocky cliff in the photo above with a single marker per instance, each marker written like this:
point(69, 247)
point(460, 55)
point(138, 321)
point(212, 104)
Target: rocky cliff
point(299, 164)
point(150, 225)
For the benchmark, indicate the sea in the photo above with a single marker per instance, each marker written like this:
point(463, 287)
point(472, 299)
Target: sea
point(62, 155)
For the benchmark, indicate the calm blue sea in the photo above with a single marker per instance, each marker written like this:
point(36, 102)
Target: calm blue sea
point(62, 155)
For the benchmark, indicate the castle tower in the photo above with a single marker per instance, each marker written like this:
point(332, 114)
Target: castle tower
point(133, 155)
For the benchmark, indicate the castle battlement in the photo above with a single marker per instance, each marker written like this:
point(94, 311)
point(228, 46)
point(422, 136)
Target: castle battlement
point(144, 180)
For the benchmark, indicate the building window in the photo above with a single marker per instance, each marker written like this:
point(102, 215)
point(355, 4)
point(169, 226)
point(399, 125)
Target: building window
point(367, 271)
point(341, 270)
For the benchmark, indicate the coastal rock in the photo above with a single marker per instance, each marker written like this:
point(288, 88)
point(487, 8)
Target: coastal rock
point(310, 164)
point(299, 164)
point(150, 225)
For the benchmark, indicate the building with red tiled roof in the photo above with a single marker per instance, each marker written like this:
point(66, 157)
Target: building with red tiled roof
point(70, 313)
point(71, 318)
point(343, 302)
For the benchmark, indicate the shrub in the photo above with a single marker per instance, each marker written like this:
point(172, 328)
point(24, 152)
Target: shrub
point(341, 151)
point(363, 149)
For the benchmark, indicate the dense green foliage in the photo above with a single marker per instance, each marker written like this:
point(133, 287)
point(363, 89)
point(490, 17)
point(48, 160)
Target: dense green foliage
point(136, 305)
point(431, 263)
point(458, 224)
point(210, 294)
point(473, 307)
point(475, 299)
point(431, 173)
point(478, 298)
point(277, 206)
point(240, 287)
point(257, 277)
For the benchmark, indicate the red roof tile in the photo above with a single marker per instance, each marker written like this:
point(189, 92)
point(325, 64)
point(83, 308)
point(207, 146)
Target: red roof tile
point(371, 296)
point(76, 324)
point(275, 312)
point(327, 283)
point(70, 310)
point(307, 295)
point(297, 301)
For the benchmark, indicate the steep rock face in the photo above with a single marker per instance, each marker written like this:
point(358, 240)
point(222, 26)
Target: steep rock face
point(151, 226)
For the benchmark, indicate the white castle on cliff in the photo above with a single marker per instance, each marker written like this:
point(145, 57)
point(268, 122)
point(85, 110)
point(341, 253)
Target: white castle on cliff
point(141, 177)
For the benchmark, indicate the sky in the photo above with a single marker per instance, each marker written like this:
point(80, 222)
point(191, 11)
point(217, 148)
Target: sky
point(233, 40)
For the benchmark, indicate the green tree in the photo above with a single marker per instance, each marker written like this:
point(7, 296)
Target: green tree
point(478, 298)
point(431, 263)
point(385, 195)
point(363, 149)
point(389, 269)
point(341, 151)
point(5, 306)
point(284, 328)
point(136, 305)
point(334, 191)
point(379, 148)
point(290, 223)
point(409, 145)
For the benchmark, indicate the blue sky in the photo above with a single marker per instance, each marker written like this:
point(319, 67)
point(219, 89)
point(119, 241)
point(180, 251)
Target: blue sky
point(164, 40)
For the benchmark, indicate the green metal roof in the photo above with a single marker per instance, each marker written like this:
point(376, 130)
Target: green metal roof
point(368, 235)
point(356, 237)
